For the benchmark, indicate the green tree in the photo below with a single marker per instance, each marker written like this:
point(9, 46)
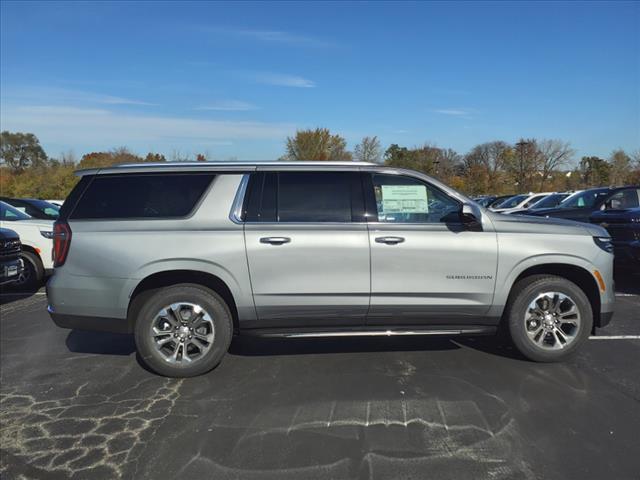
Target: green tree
point(318, 144)
point(594, 171)
point(368, 150)
point(21, 150)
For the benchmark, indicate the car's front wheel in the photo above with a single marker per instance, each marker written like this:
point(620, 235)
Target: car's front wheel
point(32, 274)
point(548, 317)
point(183, 330)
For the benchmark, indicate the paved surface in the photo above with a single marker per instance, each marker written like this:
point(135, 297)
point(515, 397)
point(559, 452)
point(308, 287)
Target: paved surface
point(76, 404)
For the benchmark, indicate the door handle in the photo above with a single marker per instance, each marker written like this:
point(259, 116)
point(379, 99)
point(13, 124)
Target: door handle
point(390, 240)
point(275, 240)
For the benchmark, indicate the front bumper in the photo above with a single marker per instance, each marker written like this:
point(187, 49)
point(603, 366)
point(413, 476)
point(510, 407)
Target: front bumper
point(10, 271)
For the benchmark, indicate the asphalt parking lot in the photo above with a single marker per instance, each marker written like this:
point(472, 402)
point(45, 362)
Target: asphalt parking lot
point(76, 404)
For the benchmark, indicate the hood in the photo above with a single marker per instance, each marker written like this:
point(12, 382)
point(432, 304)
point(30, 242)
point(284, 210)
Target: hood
point(6, 234)
point(534, 224)
point(541, 212)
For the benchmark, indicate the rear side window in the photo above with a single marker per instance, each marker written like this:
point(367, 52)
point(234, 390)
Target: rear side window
point(141, 196)
point(305, 197)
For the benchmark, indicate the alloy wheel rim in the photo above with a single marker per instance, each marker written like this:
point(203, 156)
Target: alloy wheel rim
point(552, 321)
point(182, 333)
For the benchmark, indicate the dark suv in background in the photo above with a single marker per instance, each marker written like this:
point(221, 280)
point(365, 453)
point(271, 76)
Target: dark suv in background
point(11, 265)
point(621, 218)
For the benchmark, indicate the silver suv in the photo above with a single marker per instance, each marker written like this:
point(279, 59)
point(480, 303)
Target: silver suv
point(187, 255)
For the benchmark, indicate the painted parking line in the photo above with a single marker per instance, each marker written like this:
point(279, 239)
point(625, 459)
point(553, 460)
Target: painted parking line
point(615, 337)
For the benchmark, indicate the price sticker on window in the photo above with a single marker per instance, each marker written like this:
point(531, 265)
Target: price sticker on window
point(404, 199)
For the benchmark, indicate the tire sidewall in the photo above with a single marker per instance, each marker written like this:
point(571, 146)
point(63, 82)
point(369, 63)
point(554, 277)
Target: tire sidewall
point(211, 302)
point(520, 304)
point(34, 264)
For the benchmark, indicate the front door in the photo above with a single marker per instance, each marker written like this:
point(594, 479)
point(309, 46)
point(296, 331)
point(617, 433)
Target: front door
point(427, 267)
point(308, 249)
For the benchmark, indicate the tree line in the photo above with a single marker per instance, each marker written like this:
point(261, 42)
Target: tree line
point(496, 167)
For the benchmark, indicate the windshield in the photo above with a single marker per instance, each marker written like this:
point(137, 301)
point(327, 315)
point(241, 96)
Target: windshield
point(551, 201)
point(47, 208)
point(10, 214)
point(586, 199)
point(512, 202)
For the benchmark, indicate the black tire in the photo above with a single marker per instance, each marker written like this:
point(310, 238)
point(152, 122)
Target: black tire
point(211, 302)
point(33, 274)
point(524, 292)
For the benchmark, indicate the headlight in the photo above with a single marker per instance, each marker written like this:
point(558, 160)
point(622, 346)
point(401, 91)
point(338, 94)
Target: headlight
point(604, 243)
point(46, 234)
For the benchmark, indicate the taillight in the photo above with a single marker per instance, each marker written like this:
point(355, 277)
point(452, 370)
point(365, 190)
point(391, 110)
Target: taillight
point(61, 242)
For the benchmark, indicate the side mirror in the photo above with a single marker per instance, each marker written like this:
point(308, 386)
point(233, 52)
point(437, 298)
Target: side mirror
point(471, 216)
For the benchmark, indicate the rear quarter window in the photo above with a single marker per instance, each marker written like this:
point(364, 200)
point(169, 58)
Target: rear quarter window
point(141, 196)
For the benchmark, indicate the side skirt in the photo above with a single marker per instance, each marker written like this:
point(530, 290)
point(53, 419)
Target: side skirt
point(448, 330)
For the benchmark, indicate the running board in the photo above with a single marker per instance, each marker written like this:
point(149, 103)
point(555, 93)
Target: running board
point(371, 333)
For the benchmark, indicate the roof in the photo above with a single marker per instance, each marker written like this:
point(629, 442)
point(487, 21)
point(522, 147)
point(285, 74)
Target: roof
point(216, 166)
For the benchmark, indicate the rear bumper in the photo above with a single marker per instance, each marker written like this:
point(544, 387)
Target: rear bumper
point(96, 324)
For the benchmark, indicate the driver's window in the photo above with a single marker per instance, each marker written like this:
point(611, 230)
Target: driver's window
point(408, 200)
point(623, 199)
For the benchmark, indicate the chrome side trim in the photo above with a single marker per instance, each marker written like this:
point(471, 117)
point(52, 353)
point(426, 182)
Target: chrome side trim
point(378, 333)
point(236, 208)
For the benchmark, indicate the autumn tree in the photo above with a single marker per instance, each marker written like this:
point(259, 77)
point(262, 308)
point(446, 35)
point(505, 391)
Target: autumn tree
point(21, 150)
point(620, 165)
point(552, 154)
point(106, 159)
point(485, 165)
point(368, 150)
point(524, 164)
point(318, 144)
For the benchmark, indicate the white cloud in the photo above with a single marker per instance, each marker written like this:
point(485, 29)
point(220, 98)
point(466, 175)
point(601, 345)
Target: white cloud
point(228, 106)
point(91, 126)
point(453, 111)
point(282, 80)
point(271, 36)
point(66, 96)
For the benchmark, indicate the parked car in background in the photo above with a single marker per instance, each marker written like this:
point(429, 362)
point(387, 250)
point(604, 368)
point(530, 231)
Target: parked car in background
point(549, 201)
point(11, 264)
point(56, 202)
point(621, 218)
point(581, 205)
point(34, 208)
point(519, 202)
point(485, 200)
point(184, 256)
point(36, 237)
point(498, 200)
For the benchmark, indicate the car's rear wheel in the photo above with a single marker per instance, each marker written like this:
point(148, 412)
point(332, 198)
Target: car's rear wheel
point(32, 274)
point(183, 330)
point(548, 317)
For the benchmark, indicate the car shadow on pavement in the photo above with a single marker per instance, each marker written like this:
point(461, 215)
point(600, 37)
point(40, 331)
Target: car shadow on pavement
point(8, 295)
point(81, 341)
point(260, 346)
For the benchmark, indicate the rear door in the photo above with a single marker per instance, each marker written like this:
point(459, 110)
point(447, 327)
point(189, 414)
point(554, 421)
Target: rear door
point(427, 267)
point(308, 248)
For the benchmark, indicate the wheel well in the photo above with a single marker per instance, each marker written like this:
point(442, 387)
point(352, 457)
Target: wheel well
point(172, 277)
point(578, 275)
point(30, 249)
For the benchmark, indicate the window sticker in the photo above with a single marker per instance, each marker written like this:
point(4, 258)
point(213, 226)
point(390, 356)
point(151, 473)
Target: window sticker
point(404, 199)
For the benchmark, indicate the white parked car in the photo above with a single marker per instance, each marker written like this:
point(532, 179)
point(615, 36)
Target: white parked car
point(37, 244)
point(520, 202)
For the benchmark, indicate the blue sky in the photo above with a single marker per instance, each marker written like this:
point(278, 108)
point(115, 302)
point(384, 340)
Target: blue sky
point(234, 79)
